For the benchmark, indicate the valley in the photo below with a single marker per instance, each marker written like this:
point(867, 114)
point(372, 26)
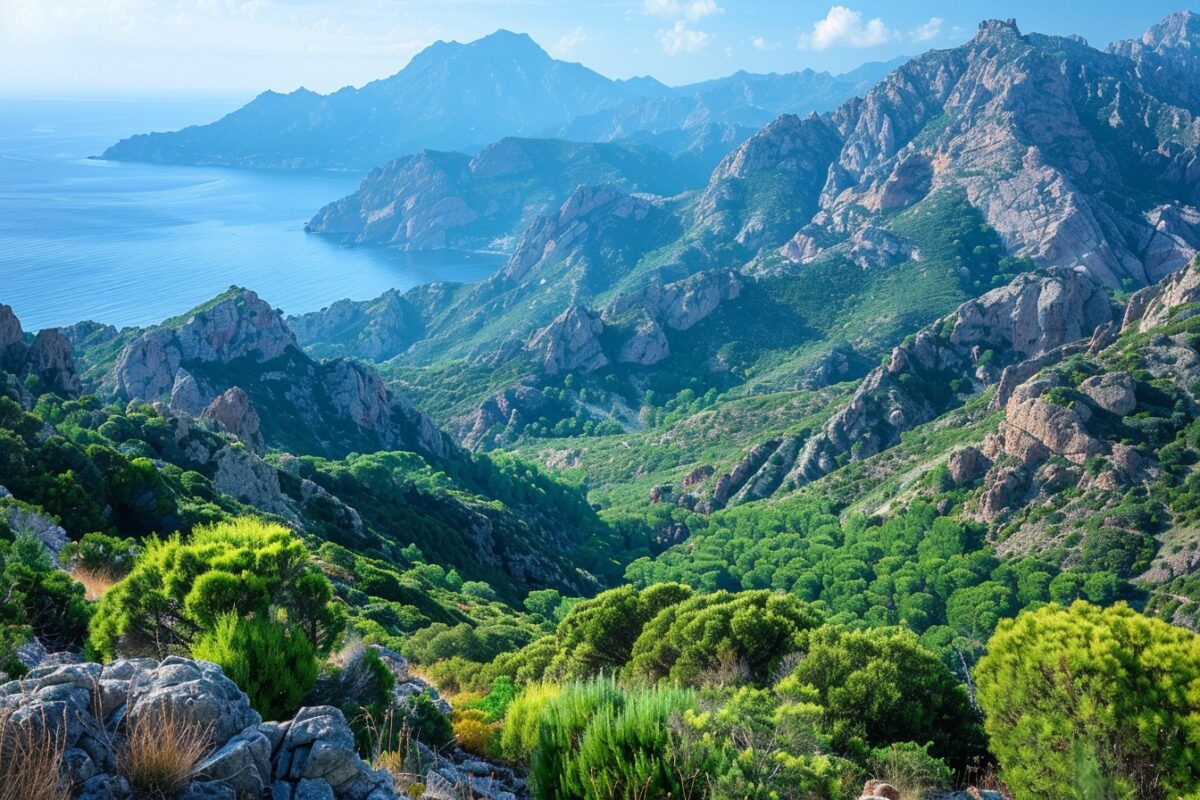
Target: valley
point(815, 436)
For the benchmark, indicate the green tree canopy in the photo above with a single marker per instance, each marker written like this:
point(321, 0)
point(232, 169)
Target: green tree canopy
point(178, 589)
point(1085, 701)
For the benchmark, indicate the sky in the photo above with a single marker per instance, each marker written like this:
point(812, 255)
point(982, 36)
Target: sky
point(237, 48)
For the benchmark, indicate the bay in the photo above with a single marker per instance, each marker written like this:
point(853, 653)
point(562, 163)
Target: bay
point(133, 244)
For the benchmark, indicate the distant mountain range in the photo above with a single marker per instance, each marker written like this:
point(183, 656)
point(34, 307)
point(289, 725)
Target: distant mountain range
point(454, 96)
point(821, 242)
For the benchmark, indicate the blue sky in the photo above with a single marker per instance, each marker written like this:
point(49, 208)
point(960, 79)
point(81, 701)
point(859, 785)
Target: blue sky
point(239, 47)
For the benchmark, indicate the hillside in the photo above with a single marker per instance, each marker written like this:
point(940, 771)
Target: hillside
point(841, 233)
point(437, 200)
point(237, 416)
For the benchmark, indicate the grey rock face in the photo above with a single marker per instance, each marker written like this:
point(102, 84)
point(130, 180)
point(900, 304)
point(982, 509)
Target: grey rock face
point(48, 532)
point(48, 357)
point(88, 705)
point(1112, 391)
point(570, 342)
point(234, 412)
point(1156, 305)
point(237, 325)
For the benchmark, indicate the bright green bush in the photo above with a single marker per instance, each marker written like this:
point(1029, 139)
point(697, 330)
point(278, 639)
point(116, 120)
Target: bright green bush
point(1106, 700)
point(273, 664)
point(600, 742)
point(597, 635)
point(523, 721)
point(720, 637)
point(879, 686)
point(178, 589)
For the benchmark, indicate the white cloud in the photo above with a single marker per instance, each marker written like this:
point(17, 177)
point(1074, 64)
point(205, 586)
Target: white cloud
point(569, 41)
point(930, 30)
point(681, 9)
point(844, 26)
point(762, 45)
point(682, 39)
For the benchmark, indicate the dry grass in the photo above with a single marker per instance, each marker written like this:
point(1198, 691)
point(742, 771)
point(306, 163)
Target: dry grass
point(161, 751)
point(95, 582)
point(31, 760)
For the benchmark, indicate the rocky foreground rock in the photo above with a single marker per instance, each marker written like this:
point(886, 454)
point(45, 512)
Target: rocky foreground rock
point(90, 708)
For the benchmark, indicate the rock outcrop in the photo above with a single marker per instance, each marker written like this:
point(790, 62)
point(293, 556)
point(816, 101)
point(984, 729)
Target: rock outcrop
point(1157, 305)
point(375, 330)
point(570, 342)
point(90, 708)
point(236, 362)
point(233, 412)
point(236, 325)
point(48, 357)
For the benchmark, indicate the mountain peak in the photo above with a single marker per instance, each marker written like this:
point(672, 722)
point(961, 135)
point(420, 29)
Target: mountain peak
point(1180, 29)
point(998, 29)
point(509, 41)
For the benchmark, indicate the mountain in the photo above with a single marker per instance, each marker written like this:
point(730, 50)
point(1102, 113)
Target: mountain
point(711, 117)
point(1071, 155)
point(451, 96)
point(224, 392)
point(816, 247)
point(454, 96)
point(436, 200)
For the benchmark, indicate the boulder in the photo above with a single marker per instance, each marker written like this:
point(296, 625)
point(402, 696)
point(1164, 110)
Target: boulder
point(967, 465)
point(233, 412)
point(1114, 392)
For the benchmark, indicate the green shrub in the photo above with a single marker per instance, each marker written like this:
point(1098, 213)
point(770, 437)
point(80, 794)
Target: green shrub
point(523, 720)
point(721, 637)
point(1084, 697)
point(273, 664)
point(599, 742)
point(880, 686)
point(179, 589)
point(36, 600)
point(598, 635)
point(103, 554)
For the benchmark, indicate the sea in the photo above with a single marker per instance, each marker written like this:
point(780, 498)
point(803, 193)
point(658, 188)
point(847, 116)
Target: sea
point(132, 244)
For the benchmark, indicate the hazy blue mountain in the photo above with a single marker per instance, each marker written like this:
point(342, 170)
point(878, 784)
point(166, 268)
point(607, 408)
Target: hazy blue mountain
point(712, 117)
point(451, 96)
point(454, 96)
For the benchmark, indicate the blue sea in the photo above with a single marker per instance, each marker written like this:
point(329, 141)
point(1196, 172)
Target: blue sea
point(133, 244)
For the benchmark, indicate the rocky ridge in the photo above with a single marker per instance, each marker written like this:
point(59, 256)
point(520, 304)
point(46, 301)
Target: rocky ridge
point(981, 344)
point(48, 358)
point(1072, 155)
point(235, 361)
point(435, 200)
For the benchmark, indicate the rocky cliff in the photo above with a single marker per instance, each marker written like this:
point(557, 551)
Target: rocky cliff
point(1072, 155)
point(235, 361)
point(47, 358)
